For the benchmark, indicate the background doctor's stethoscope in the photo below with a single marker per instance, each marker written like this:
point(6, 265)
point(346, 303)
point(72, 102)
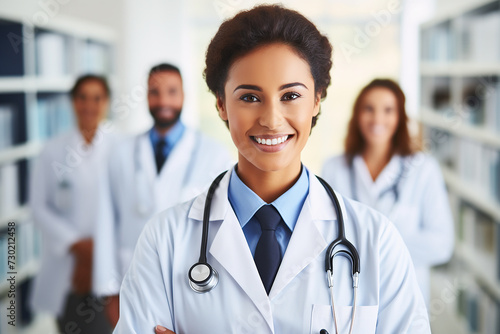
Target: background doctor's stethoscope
point(406, 164)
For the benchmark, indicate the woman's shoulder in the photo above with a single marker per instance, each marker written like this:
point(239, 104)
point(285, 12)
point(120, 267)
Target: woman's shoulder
point(55, 145)
point(333, 165)
point(363, 214)
point(177, 219)
point(422, 163)
point(370, 225)
point(336, 160)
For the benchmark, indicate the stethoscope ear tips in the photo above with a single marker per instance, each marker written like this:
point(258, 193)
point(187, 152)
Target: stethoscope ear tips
point(202, 277)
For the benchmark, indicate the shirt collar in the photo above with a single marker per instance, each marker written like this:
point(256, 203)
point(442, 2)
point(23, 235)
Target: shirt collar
point(172, 136)
point(245, 202)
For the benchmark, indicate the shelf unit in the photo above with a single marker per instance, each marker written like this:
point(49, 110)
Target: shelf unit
point(458, 69)
point(471, 193)
point(20, 215)
point(26, 150)
point(35, 77)
point(449, 321)
point(479, 268)
point(28, 270)
point(455, 126)
point(460, 119)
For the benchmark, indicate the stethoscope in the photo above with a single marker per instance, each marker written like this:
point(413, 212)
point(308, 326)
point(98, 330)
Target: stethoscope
point(203, 278)
point(394, 188)
point(144, 205)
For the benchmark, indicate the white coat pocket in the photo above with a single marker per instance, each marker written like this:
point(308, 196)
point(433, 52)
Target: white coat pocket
point(63, 196)
point(365, 319)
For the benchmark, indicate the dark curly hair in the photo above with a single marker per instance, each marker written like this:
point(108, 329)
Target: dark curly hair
point(263, 25)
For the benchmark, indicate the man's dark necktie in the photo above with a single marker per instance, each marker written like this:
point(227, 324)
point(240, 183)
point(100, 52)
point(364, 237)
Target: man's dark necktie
point(268, 253)
point(160, 154)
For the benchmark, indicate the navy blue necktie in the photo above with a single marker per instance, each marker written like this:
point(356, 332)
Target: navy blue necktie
point(268, 253)
point(160, 154)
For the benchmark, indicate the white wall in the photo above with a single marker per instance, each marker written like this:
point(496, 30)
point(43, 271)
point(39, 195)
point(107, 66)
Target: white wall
point(414, 13)
point(156, 31)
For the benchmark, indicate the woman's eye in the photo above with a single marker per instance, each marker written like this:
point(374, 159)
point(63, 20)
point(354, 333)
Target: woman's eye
point(290, 96)
point(249, 98)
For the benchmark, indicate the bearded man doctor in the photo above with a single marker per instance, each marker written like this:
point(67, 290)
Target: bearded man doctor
point(270, 248)
point(146, 174)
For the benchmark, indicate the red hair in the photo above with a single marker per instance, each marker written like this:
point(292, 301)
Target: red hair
point(401, 141)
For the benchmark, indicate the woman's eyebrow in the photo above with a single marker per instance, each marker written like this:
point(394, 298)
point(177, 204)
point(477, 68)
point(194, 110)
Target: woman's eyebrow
point(253, 87)
point(257, 88)
point(293, 84)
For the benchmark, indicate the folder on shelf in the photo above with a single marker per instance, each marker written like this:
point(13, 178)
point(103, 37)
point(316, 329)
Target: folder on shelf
point(483, 35)
point(6, 124)
point(51, 51)
point(8, 189)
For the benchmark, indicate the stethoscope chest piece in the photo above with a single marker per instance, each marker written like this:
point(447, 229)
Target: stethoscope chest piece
point(202, 277)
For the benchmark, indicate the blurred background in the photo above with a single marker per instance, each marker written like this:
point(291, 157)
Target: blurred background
point(444, 53)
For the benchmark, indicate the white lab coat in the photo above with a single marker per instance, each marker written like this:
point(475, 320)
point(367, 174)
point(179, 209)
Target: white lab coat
point(156, 289)
point(64, 214)
point(422, 214)
point(133, 192)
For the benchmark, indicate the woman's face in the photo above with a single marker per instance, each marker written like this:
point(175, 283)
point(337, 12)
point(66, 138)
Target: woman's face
point(90, 104)
point(269, 103)
point(378, 117)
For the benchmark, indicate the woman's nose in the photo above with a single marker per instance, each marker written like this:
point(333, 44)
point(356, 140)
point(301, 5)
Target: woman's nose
point(271, 116)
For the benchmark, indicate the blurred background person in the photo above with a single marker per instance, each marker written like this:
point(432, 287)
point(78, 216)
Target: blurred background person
point(146, 174)
point(64, 204)
point(381, 167)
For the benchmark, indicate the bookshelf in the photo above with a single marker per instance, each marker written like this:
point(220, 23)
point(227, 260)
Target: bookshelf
point(460, 122)
point(39, 66)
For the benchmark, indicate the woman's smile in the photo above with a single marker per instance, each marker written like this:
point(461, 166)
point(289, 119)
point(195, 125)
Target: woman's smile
point(271, 143)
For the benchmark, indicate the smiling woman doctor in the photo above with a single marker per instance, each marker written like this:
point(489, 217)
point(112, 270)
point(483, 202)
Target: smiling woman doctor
point(261, 267)
point(380, 168)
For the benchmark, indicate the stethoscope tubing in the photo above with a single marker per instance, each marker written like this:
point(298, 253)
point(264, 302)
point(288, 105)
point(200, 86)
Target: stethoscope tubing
point(211, 279)
point(394, 188)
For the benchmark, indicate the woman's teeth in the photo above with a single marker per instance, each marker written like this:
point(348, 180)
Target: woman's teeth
point(271, 142)
point(378, 129)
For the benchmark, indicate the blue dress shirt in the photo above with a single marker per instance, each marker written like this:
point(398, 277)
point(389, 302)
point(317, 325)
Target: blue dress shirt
point(245, 203)
point(171, 138)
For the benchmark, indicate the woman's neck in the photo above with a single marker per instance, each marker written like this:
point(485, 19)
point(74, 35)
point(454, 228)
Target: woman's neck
point(268, 185)
point(376, 157)
point(88, 133)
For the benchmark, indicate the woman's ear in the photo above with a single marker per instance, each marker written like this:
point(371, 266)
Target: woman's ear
point(221, 107)
point(317, 104)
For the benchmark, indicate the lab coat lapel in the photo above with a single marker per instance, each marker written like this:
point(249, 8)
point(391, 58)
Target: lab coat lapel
point(307, 241)
point(230, 248)
point(389, 174)
point(174, 174)
point(146, 157)
point(179, 157)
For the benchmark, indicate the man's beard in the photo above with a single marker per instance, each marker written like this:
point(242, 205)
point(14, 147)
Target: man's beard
point(162, 122)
